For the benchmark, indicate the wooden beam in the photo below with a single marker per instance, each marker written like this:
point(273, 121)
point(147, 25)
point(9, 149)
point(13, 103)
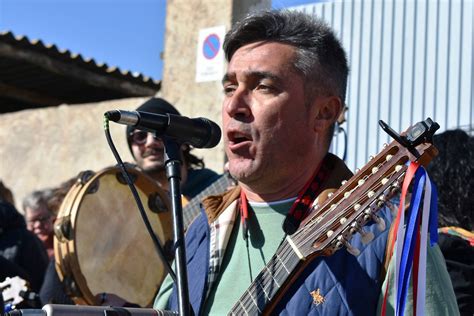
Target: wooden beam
point(27, 96)
point(70, 70)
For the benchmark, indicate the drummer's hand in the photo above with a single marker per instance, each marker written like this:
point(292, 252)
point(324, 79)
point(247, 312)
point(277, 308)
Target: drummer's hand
point(109, 299)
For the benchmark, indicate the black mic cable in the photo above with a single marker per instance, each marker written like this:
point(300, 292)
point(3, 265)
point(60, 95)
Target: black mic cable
point(126, 175)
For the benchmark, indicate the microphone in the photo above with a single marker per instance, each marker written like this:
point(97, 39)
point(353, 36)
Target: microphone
point(198, 132)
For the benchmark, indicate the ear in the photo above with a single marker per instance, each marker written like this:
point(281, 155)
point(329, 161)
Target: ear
point(328, 110)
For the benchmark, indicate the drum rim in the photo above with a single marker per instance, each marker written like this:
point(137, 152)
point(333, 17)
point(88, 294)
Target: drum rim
point(67, 260)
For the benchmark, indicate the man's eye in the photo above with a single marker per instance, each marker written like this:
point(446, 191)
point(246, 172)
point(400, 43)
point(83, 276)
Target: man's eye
point(229, 89)
point(265, 88)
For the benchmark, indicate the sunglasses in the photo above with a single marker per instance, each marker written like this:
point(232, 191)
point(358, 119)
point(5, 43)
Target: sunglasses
point(140, 137)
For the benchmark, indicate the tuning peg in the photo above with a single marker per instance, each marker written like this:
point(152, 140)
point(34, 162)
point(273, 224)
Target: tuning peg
point(368, 214)
point(351, 249)
point(388, 157)
point(380, 222)
point(395, 187)
point(341, 241)
point(366, 236)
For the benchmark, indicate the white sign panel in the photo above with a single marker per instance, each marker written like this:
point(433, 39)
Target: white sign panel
point(210, 57)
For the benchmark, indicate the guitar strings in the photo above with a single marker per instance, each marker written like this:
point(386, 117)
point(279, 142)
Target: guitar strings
point(346, 213)
point(286, 252)
point(350, 207)
point(248, 300)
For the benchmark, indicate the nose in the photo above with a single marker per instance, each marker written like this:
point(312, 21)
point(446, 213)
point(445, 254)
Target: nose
point(237, 105)
point(152, 139)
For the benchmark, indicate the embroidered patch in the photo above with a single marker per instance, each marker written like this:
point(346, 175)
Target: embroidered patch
point(318, 298)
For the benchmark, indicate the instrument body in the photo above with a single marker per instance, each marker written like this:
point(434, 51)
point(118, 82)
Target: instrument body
point(101, 243)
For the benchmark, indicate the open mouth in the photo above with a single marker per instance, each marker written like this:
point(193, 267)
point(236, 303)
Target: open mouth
point(238, 140)
point(238, 137)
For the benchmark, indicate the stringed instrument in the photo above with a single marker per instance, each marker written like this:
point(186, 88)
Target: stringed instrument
point(193, 207)
point(330, 226)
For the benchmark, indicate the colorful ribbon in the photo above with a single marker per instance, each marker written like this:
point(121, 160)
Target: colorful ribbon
point(411, 247)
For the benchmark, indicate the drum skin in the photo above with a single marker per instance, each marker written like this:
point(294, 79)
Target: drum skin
point(101, 243)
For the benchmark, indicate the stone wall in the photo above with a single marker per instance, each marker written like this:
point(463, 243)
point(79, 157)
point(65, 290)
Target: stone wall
point(43, 147)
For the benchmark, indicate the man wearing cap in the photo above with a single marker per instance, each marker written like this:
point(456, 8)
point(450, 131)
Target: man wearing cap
point(148, 152)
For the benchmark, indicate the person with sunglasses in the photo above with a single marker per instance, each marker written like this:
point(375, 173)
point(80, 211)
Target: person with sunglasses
point(148, 151)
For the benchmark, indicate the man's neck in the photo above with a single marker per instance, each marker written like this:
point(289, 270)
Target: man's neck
point(283, 188)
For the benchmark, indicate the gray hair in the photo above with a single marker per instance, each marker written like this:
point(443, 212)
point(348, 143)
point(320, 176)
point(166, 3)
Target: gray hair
point(36, 199)
point(320, 57)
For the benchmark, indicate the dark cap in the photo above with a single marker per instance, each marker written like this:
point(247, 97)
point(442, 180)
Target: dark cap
point(153, 105)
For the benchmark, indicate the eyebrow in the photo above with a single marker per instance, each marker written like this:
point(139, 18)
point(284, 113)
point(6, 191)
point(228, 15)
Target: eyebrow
point(256, 74)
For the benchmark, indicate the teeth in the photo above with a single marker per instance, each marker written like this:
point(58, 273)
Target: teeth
point(238, 136)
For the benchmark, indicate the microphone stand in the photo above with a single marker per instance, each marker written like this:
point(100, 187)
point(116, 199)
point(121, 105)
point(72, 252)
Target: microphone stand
point(173, 173)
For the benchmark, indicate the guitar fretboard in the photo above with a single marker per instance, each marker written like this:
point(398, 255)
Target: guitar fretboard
point(267, 283)
point(191, 210)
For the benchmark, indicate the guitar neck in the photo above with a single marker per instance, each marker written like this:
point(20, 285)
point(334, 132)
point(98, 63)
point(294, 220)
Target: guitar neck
point(191, 210)
point(268, 282)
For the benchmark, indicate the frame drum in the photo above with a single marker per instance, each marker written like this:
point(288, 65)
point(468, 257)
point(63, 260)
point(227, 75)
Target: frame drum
point(101, 243)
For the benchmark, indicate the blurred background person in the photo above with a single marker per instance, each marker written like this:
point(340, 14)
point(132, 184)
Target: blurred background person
point(52, 290)
point(19, 246)
point(148, 152)
point(39, 219)
point(453, 172)
point(6, 194)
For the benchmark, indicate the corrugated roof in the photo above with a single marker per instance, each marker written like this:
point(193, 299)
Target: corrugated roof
point(35, 74)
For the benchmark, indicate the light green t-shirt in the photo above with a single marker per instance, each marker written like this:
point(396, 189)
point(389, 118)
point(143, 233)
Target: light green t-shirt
point(248, 259)
point(246, 263)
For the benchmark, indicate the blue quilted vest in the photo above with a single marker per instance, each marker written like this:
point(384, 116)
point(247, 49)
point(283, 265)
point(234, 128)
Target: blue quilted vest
point(349, 285)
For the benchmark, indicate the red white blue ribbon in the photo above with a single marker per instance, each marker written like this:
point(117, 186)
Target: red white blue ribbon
point(412, 239)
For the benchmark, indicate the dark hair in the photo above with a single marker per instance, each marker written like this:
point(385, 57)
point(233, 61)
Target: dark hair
point(320, 57)
point(161, 106)
point(55, 196)
point(6, 194)
point(453, 172)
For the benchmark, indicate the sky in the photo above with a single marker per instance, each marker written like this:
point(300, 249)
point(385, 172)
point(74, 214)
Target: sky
point(123, 33)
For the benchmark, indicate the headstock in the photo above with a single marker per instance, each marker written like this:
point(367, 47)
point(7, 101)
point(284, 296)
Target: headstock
point(330, 226)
